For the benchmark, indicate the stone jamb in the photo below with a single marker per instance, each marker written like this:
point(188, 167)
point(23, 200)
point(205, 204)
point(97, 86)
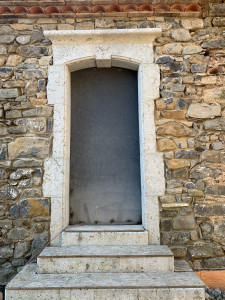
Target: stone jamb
point(75, 50)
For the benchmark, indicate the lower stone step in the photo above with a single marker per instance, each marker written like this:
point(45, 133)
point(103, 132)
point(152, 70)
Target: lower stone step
point(92, 259)
point(29, 285)
point(105, 235)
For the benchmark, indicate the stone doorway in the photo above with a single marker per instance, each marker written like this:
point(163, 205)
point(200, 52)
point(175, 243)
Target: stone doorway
point(79, 50)
point(104, 147)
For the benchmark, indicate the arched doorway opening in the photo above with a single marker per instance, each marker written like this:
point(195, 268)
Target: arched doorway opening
point(105, 184)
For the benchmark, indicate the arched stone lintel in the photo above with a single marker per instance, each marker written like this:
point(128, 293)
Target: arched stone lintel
point(103, 62)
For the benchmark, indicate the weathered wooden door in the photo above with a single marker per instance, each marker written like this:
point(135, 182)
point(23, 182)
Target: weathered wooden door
point(105, 157)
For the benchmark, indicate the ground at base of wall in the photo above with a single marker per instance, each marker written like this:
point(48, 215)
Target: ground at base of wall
point(216, 294)
point(214, 279)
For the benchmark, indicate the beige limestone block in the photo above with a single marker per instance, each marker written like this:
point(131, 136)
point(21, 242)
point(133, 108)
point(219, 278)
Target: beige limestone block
point(192, 49)
point(164, 25)
point(36, 125)
point(26, 21)
point(172, 49)
point(65, 27)
point(41, 95)
point(175, 129)
point(13, 60)
point(188, 79)
point(3, 49)
point(49, 27)
point(32, 60)
point(167, 199)
point(218, 21)
point(177, 163)
point(192, 24)
point(13, 83)
point(31, 87)
point(171, 205)
point(181, 142)
point(196, 59)
point(104, 23)
point(69, 20)
point(161, 104)
point(22, 27)
point(181, 35)
point(169, 155)
point(35, 101)
point(203, 111)
point(174, 191)
point(184, 222)
point(215, 94)
point(195, 193)
point(173, 114)
point(206, 80)
point(23, 39)
point(2, 61)
point(47, 21)
point(85, 25)
point(28, 147)
point(166, 144)
point(45, 60)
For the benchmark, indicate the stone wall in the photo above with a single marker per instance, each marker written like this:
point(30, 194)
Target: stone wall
point(190, 131)
point(25, 139)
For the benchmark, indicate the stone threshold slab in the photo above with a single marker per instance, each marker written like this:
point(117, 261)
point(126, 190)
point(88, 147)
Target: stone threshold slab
point(104, 238)
point(106, 251)
point(29, 279)
point(105, 228)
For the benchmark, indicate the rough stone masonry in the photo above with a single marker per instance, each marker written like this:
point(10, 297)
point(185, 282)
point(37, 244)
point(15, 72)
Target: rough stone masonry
point(190, 122)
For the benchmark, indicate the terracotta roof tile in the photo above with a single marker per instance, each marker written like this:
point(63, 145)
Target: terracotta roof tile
point(130, 7)
point(115, 8)
point(99, 8)
point(193, 7)
point(146, 7)
point(20, 9)
point(59, 7)
point(68, 8)
point(162, 6)
point(177, 7)
point(5, 9)
point(83, 8)
point(36, 10)
point(52, 10)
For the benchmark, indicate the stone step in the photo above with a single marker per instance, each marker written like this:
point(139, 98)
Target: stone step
point(105, 235)
point(106, 259)
point(181, 266)
point(29, 285)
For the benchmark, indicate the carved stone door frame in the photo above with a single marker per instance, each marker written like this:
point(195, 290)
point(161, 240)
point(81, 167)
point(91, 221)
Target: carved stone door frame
point(124, 48)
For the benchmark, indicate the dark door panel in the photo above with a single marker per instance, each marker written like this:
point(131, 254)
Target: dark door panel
point(105, 156)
